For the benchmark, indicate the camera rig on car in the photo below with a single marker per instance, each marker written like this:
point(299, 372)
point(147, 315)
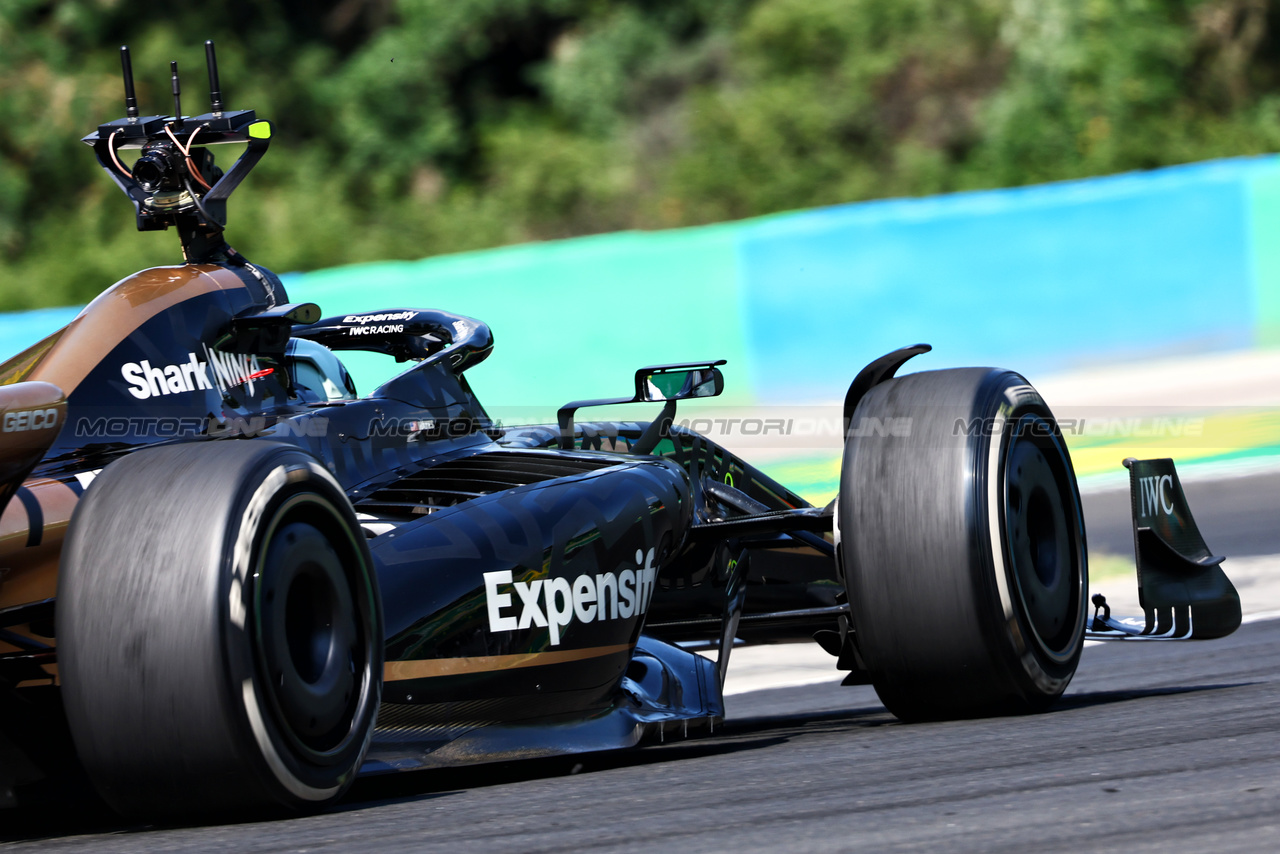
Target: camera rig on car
point(174, 182)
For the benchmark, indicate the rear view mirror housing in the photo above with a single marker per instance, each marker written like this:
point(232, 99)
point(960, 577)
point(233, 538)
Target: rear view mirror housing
point(678, 382)
point(664, 383)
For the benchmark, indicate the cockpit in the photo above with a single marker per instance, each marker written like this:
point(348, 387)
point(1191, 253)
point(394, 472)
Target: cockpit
point(316, 374)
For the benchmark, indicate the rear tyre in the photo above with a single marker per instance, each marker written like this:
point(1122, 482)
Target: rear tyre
point(219, 632)
point(962, 545)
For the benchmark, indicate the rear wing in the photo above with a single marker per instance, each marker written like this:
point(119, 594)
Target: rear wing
point(1182, 589)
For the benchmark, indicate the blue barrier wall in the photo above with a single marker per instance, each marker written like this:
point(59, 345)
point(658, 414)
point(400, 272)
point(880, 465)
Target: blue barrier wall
point(21, 329)
point(1036, 279)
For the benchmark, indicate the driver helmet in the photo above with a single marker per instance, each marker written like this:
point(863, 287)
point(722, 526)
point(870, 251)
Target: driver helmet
point(316, 374)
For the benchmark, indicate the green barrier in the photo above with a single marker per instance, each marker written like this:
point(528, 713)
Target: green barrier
point(571, 319)
point(1264, 228)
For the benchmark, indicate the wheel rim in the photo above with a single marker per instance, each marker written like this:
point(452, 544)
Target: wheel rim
point(312, 636)
point(1042, 535)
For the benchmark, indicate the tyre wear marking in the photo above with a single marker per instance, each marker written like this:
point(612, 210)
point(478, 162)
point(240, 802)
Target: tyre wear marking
point(1042, 680)
point(995, 500)
point(242, 554)
point(835, 539)
point(283, 774)
point(241, 559)
point(993, 522)
point(321, 472)
point(395, 671)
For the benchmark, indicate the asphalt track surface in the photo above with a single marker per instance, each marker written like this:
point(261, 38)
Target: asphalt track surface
point(1156, 747)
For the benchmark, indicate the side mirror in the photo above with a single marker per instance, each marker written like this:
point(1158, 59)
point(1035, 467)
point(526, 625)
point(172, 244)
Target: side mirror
point(664, 384)
point(657, 382)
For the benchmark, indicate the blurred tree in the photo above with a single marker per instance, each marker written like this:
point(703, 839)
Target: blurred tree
point(412, 127)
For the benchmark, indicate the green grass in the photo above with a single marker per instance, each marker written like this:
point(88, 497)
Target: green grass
point(1105, 566)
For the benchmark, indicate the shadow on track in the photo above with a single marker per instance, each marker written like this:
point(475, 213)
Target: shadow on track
point(75, 809)
point(1087, 699)
point(70, 811)
point(861, 718)
point(735, 736)
point(438, 782)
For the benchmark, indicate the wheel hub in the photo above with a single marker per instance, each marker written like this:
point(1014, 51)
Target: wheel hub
point(1040, 527)
point(309, 642)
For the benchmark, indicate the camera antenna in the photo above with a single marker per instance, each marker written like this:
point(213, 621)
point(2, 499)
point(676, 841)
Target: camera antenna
point(215, 90)
point(130, 100)
point(200, 217)
point(177, 91)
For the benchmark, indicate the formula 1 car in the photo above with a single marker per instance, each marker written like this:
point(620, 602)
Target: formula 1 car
point(249, 584)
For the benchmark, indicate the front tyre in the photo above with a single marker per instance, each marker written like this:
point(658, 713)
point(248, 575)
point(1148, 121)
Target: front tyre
point(219, 631)
point(962, 545)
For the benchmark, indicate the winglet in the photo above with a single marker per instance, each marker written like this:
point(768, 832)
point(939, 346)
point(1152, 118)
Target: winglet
point(1181, 586)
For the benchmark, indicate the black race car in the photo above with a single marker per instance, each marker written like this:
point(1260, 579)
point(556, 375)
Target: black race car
point(249, 584)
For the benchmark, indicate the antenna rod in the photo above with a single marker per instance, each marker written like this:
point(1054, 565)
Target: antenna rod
point(177, 91)
point(130, 100)
point(215, 90)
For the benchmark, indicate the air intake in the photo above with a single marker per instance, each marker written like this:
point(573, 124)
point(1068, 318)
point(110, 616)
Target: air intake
point(459, 480)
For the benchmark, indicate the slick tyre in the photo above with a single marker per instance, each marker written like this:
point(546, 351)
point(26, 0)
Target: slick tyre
point(961, 540)
point(219, 632)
